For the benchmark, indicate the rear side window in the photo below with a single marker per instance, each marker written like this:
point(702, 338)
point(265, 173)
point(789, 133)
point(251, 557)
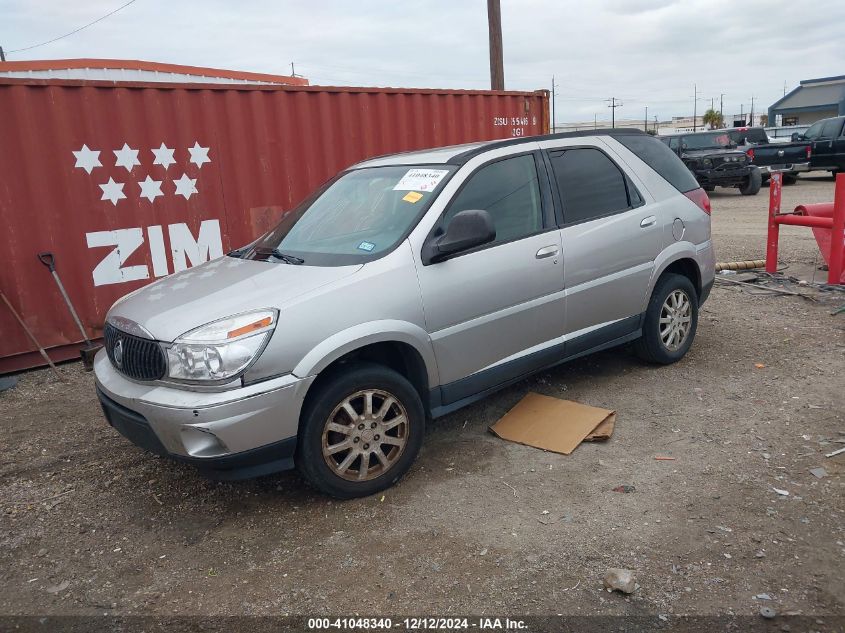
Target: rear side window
point(661, 159)
point(590, 184)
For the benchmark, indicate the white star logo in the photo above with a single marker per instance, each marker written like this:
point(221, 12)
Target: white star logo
point(126, 157)
point(199, 155)
point(112, 191)
point(185, 186)
point(163, 156)
point(150, 189)
point(87, 159)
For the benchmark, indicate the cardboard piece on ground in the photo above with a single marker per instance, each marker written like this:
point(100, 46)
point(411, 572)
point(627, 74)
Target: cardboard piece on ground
point(603, 431)
point(553, 424)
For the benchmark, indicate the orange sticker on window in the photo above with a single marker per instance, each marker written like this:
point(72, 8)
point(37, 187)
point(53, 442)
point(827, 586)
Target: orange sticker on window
point(412, 197)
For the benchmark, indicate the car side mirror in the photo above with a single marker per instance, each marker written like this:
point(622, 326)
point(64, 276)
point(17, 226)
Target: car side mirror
point(466, 230)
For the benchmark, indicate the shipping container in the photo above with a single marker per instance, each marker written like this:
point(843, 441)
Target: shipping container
point(128, 182)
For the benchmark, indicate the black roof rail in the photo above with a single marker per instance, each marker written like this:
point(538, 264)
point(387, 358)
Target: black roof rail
point(463, 157)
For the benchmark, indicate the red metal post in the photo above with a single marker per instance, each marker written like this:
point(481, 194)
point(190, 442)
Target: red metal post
point(837, 233)
point(774, 210)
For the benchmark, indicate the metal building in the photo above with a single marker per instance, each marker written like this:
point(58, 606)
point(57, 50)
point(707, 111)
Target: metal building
point(812, 100)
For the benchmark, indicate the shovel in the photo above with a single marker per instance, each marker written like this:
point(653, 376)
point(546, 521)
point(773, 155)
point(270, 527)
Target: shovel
point(87, 353)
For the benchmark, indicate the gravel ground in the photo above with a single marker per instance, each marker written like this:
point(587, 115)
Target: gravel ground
point(89, 524)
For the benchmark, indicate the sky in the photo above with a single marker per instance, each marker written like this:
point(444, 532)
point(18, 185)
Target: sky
point(646, 53)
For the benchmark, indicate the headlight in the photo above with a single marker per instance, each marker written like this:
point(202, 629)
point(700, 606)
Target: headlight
point(707, 162)
point(222, 349)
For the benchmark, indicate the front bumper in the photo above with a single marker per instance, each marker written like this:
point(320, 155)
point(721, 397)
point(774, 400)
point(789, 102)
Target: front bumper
point(720, 177)
point(234, 434)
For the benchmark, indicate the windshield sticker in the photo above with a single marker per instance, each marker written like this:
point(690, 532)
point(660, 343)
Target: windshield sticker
point(421, 180)
point(366, 246)
point(412, 197)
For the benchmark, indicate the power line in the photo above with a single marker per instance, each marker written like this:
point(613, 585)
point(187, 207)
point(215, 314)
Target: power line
point(81, 28)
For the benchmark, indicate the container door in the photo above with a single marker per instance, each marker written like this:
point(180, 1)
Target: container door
point(490, 305)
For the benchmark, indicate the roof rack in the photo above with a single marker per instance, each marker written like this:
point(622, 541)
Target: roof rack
point(463, 157)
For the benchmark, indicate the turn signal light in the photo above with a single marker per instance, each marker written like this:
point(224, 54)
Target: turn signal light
point(252, 327)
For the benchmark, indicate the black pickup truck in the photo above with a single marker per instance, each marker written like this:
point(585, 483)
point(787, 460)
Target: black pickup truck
point(707, 156)
point(788, 158)
point(827, 138)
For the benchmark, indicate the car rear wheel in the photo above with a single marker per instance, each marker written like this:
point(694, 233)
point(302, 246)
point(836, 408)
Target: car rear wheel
point(790, 179)
point(752, 183)
point(360, 432)
point(671, 320)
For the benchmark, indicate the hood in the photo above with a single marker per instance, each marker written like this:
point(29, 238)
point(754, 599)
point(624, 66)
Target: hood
point(710, 153)
point(220, 288)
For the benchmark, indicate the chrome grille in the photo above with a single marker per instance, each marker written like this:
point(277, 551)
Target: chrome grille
point(135, 357)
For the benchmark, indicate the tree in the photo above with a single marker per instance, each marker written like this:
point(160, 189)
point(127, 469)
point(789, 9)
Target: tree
point(713, 118)
point(764, 120)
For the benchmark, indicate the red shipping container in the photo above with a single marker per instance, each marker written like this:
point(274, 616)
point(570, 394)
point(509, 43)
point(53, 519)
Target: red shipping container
point(128, 182)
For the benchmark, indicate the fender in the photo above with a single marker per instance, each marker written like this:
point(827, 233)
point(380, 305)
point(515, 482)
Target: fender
point(382, 331)
point(669, 255)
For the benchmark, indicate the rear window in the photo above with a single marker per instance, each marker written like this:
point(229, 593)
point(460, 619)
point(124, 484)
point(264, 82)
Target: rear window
point(755, 135)
point(661, 159)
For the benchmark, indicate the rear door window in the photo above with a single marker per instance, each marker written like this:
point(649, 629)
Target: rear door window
point(831, 128)
point(590, 184)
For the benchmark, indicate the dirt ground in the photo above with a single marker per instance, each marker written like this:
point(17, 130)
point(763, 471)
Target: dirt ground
point(89, 524)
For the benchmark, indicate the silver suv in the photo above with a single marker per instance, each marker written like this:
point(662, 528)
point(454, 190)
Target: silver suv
point(405, 288)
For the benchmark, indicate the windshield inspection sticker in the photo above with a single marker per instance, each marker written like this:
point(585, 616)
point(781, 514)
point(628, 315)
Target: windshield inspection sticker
point(421, 180)
point(412, 197)
point(366, 246)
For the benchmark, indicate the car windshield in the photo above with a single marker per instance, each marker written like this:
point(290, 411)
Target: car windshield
point(359, 216)
point(714, 140)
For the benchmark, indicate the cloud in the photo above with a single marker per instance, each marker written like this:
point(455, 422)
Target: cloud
point(646, 52)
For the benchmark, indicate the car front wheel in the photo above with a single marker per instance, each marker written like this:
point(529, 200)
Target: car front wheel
point(360, 432)
point(670, 322)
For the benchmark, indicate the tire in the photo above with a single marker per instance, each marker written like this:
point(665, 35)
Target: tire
point(790, 179)
point(752, 185)
point(651, 346)
point(709, 188)
point(326, 405)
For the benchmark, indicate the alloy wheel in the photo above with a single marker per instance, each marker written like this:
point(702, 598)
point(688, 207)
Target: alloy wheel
point(365, 435)
point(675, 320)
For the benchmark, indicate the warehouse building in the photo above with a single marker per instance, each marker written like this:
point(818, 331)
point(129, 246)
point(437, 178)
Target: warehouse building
point(812, 100)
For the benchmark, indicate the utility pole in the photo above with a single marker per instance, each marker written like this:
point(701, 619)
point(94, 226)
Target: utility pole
point(752, 110)
point(645, 121)
point(595, 121)
point(614, 103)
point(741, 115)
point(694, 107)
point(497, 64)
point(712, 105)
point(722, 104)
point(3, 58)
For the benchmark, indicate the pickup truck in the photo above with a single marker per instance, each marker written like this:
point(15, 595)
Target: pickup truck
point(708, 157)
point(787, 158)
point(827, 138)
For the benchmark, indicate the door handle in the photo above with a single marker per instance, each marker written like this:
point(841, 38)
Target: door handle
point(547, 251)
point(649, 221)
